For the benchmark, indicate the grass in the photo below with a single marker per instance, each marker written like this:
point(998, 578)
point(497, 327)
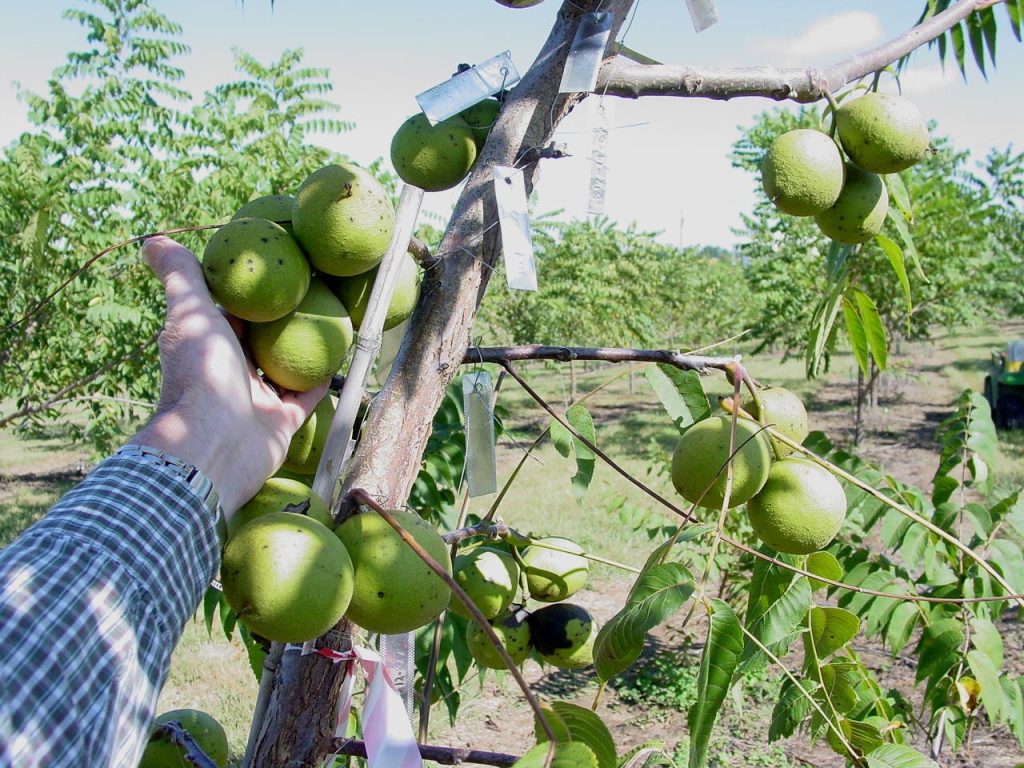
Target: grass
point(212, 673)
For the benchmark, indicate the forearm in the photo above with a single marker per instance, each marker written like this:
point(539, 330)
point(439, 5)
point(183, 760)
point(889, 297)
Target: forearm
point(95, 597)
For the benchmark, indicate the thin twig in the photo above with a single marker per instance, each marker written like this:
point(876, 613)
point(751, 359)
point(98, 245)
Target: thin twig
point(359, 496)
point(502, 355)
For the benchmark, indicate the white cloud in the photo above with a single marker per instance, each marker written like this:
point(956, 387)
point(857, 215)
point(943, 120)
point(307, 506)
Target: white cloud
point(929, 78)
point(828, 37)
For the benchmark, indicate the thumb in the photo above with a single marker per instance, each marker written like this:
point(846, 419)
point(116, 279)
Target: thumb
point(181, 274)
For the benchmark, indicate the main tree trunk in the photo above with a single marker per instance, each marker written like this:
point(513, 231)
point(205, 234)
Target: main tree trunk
point(299, 724)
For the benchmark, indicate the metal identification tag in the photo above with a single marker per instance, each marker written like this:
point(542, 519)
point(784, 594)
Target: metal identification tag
point(481, 466)
point(516, 238)
point(599, 157)
point(703, 13)
point(586, 53)
point(468, 88)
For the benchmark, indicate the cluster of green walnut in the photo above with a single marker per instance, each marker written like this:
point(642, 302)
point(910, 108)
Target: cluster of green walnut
point(793, 504)
point(804, 172)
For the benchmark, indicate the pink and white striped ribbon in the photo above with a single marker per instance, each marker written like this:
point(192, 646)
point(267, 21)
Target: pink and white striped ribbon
point(390, 742)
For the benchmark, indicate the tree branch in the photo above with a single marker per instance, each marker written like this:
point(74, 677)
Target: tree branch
point(483, 528)
point(622, 77)
point(437, 754)
point(502, 355)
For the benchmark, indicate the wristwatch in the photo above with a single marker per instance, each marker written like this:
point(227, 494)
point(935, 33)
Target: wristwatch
point(195, 478)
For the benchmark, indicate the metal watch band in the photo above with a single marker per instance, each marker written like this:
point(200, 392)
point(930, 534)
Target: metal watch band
point(192, 475)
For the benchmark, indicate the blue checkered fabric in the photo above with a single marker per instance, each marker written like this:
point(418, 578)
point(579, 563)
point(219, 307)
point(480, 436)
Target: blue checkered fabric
point(94, 598)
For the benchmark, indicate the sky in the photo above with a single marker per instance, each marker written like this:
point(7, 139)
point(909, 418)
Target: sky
point(668, 160)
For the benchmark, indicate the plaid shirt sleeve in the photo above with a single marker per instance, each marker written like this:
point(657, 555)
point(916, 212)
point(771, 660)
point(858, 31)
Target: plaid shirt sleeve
point(94, 598)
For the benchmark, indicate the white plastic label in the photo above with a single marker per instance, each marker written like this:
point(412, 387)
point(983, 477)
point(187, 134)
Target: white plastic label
point(599, 157)
point(481, 464)
point(468, 88)
point(585, 55)
point(514, 220)
point(703, 13)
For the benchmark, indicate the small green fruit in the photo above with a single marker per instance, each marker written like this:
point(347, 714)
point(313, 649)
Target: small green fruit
point(275, 208)
point(802, 172)
point(514, 632)
point(481, 118)
point(490, 577)
point(255, 270)
point(354, 293)
point(208, 734)
point(703, 450)
point(555, 569)
point(433, 157)
point(276, 494)
point(287, 577)
point(343, 219)
point(859, 213)
point(800, 509)
point(302, 477)
point(882, 132)
point(308, 442)
point(784, 411)
point(395, 591)
point(306, 347)
point(564, 635)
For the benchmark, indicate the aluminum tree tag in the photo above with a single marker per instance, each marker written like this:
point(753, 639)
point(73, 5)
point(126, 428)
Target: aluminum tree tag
point(601, 133)
point(398, 654)
point(481, 466)
point(468, 88)
point(586, 53)
point(514, 220)
point(703, 13)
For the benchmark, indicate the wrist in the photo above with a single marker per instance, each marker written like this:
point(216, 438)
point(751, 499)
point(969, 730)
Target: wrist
point(176, 435)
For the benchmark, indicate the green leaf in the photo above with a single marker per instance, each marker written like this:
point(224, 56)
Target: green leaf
point(873, 328)
point(831, 629)
point(211, 599)
point(573, 723)
point(792, 708)
point(565, 441)
point(987, 675)
point(1014, 709)
point(570, 754)
point(680, 392)
point(894, 253)
point(823, 564)
point(717, 667)
point(987, 22)
point(821, 326)
point(656, 595)
point(956, 34)
point(909, 249)
point(858, 338)
point(986, 638)
point(899, 195)
point(776, 608)
point(937, 651)
point(1015, 10)
point(977, 42)
point(898, 756)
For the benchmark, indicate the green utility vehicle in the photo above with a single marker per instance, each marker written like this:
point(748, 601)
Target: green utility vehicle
point(1004, 386)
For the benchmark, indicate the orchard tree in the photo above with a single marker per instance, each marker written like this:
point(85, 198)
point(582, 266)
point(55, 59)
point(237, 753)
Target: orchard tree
point(298, 727)
point(950, 566)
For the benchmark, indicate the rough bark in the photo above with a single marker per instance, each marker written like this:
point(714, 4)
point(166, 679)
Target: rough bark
point(297, 731)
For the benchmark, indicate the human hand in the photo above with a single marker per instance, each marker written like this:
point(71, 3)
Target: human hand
point(215, 412)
